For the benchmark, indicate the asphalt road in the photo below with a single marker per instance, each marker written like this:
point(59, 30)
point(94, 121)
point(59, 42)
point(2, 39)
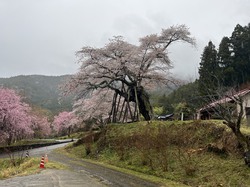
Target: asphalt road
point(54, 178)
point(79, 174)
point(34, 152)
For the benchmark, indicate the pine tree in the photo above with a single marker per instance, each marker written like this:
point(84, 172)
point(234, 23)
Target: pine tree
point(241, 62)
point(225, 60)
point(209, 70)
point(247, 49)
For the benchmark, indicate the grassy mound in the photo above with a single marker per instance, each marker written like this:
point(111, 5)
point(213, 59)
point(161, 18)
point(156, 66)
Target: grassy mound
point(195, 153)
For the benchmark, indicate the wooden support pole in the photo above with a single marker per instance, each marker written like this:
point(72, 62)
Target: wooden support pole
point(137, 105)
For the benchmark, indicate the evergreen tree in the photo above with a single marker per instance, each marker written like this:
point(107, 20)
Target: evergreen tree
point(241, 63)
point(209, 70)
point(166, 102)
point(247, 50)
point(186, 94)
point(225, 60)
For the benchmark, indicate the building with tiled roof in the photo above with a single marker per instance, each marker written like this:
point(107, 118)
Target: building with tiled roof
point(208, 111)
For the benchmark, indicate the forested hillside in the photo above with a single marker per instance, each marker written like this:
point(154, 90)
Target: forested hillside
point(40, 90)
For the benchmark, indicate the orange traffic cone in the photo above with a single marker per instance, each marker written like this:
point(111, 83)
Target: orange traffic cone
point(46, 158)
point(42, 162)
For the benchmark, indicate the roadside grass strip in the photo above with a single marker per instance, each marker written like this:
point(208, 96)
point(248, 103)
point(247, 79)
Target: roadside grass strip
point(171, 153)
point(28, 166)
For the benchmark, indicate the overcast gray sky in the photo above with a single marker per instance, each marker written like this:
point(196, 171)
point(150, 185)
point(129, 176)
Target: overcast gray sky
point(42, 36)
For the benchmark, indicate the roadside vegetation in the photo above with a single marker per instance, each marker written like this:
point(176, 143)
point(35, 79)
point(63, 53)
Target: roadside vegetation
point(195, 153)
point(24, 166)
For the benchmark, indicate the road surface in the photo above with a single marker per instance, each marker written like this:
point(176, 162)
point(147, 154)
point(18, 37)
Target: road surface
point(79, 174)
point(54, 178)
point(36, 152)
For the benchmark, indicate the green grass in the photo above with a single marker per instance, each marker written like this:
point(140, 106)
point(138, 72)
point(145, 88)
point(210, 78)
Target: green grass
point(25, 167)
point(75, 135)
point(171, 151)
point(205, 169)
point(79, 152)
point(245, 130)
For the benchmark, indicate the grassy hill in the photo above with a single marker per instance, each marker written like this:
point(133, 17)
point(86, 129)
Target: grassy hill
point(39, 90)
point(193, 153)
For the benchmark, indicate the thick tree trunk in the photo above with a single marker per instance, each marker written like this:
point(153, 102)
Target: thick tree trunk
point(145, 107)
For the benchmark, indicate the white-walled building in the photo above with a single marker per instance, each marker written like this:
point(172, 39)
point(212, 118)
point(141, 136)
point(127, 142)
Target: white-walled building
point(207, 111)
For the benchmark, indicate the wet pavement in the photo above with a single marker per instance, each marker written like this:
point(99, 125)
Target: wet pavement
point(81, 173)
point(54, 178)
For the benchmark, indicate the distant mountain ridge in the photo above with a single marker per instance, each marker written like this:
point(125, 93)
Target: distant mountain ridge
point(40, 90)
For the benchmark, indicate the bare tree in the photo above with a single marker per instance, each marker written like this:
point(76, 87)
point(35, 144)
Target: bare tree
point(128, 69)
point(229, 105)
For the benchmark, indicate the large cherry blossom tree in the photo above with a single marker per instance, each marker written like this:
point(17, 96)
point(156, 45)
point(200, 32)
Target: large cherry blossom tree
point(15, 121)
point(128, 69)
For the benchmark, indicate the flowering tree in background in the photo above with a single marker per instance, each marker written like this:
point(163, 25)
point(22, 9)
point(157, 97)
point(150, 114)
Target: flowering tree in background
point(15, 121)
point(40, 126)
point(40, 122)
point(128, 69)
point(64, 122)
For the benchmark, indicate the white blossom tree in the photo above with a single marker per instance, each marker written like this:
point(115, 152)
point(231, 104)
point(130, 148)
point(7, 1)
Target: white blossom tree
point(95, 108)
point(128, 69)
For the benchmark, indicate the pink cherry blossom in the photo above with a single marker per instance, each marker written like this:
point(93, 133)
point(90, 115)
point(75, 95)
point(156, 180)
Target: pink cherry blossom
point(15, 121)
point(128, 69)
point(64, 121)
